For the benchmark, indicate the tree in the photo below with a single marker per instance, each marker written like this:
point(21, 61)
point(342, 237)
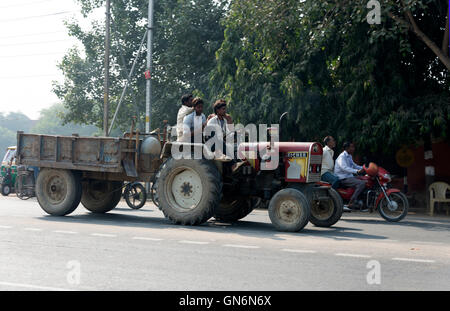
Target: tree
point(187, 34)
point(334, 72)
point(50, 123)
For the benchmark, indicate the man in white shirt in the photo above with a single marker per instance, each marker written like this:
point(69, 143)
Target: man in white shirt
point(194, 123)
point(327, 172)
point(186, 108)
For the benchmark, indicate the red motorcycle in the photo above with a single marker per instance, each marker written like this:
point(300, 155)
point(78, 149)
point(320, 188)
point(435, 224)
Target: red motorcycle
point(390, 202)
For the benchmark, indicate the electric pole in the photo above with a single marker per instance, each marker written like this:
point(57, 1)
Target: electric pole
point(149, 66)
point(106, 84)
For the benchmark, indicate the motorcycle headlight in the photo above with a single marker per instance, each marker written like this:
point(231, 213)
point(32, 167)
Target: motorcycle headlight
point(388, 177)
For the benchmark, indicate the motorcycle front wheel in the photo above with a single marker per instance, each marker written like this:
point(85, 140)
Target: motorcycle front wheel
point(397, 210)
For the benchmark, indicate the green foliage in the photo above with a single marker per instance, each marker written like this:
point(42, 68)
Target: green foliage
point(378, 85)
point(50, 123)
point(186, 36)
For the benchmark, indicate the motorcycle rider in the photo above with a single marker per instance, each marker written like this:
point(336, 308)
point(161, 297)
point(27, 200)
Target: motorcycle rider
point(345, 169)
point(327, 172)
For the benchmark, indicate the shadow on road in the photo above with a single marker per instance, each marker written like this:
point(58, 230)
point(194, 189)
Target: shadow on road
point(244, 227)
point(425, 224)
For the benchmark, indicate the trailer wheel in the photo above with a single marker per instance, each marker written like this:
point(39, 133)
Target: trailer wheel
point(58, 191)
point(325, 213)
point(289, 210)
point(188, 191)
point(100, 196)
point(232, 208)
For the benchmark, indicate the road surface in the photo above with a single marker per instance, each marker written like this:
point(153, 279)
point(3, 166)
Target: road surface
point(141, 250)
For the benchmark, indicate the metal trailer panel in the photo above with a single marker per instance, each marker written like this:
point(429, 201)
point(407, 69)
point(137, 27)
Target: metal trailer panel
point(98, 154)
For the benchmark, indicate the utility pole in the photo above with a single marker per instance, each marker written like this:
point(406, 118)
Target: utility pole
point(149, 66)
point(106, 84)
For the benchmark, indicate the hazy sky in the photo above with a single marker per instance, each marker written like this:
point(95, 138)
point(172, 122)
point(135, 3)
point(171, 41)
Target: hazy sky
point(33, 39)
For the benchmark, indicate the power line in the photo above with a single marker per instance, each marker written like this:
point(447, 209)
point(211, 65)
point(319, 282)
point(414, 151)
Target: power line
point(32, 34)
point(35, 16)
point(37, 42)
point(28, 55)
point(24, 4)
point(25, 77)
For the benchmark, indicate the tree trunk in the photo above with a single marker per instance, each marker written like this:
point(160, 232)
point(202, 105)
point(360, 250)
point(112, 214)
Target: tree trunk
point(445, 59)
point(445, 40)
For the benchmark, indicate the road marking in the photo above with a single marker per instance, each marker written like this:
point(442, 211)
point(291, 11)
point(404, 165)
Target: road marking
point(5, 227)
point(106, 235)
point(146, 239)
point(34, 286)
point(240, 246)
point(299, 251)
point(352, 255)
point(425, 242)
point(65, 232)
point(414, 260)
point(32, 229)
point(193, 242)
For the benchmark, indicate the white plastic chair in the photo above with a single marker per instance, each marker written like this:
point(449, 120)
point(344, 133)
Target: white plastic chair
point(438, 194)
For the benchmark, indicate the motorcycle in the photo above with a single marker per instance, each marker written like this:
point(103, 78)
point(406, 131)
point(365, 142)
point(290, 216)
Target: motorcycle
point(391, 203)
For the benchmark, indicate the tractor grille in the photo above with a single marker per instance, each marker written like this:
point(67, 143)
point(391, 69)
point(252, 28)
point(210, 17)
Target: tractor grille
point(315, 159)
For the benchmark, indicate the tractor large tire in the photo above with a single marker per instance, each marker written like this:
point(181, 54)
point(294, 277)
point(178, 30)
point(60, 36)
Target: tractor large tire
point(100, 196)
point(232, 208)
point(289, 210)
point(188, 191)
point(58, 191)
point(325, 213)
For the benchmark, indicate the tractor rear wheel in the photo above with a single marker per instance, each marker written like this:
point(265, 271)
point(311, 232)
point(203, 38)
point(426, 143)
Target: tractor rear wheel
point(233, 207)
point(188, 192)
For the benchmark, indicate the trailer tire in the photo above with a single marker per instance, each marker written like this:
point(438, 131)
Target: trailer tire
point(100, 196)
point(326, 214)
point(188, 191)
point(58, 191)
point(289, 210)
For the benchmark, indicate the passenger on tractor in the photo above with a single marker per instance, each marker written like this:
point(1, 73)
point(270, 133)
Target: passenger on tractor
point(327, 172)
point(185, 109)
point(345, 169)
point(194, 123)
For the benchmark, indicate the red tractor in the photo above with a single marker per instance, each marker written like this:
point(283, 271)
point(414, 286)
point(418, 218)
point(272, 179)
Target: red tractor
point(192, 191)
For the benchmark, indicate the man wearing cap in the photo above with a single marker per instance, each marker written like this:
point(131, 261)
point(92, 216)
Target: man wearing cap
point(186, 108)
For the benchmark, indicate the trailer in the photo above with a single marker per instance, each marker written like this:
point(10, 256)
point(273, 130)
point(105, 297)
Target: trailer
point(90, 170)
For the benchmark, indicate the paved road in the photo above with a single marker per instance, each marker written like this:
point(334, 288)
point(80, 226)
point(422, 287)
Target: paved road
point(141, 250)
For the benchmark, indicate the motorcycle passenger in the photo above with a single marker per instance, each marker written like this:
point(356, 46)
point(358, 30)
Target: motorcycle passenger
point(345, 168)
point(327, 173)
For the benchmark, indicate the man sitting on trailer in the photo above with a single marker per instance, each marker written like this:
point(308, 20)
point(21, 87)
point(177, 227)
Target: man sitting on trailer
point(194, 123)
point(186, 108)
